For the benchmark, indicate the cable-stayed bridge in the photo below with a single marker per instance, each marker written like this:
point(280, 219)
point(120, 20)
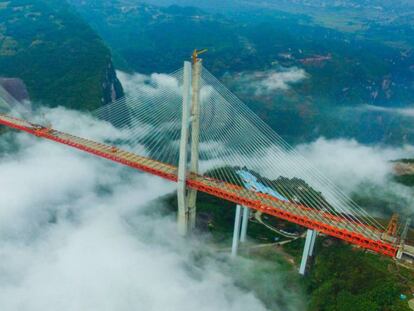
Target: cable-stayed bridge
point(188, 128)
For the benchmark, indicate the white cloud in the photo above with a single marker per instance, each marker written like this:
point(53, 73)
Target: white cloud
point(406, 112)
point(345, 162)
point(267, 82)
point(328, 166)
point(363, 170)
point(353, 168)
point(137, 84)
point(76, 234)
point(350, 163)
point(281, 80)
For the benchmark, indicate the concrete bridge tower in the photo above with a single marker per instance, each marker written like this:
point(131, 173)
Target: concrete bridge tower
point(190, 128)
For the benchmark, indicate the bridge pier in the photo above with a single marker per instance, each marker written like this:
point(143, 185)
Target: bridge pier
point(241, 220)
point(245, 221)
point(236, 231)
point(308, 250)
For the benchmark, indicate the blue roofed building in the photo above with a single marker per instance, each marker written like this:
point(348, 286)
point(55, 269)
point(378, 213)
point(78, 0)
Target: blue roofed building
point(251, 183)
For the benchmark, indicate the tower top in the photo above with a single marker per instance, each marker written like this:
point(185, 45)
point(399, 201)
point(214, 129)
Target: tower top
point(195, 54)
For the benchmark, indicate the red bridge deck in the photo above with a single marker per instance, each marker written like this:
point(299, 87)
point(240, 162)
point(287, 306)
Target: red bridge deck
point(353, 232)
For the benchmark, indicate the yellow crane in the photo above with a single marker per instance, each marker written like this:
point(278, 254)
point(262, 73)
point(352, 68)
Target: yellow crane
point(392, 228)
point(196, 53)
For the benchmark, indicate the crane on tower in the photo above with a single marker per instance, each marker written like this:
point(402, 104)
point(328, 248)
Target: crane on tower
point(393, 225)
point(196, 53)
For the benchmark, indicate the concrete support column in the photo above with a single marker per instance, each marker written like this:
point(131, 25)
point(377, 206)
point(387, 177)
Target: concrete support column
point(182, 215)
point(236, 232)
point(245, 221)
point(308, 250)
point(312, 246)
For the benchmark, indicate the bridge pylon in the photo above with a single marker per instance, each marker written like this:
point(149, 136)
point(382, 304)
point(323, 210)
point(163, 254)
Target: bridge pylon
point(195, 137)
point(190, 127)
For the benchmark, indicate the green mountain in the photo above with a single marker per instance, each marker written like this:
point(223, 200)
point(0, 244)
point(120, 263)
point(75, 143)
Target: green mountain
point(353, 84)
point(57, 55)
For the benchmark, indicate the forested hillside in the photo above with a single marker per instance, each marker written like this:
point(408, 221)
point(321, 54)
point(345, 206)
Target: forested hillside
point(303, 75)
point(57, 55)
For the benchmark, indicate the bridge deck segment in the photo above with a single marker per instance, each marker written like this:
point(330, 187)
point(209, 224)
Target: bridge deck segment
point(362, 235)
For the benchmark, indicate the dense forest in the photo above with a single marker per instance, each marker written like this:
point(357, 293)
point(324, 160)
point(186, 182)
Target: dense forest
point(347, 77)
point(57, 55)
